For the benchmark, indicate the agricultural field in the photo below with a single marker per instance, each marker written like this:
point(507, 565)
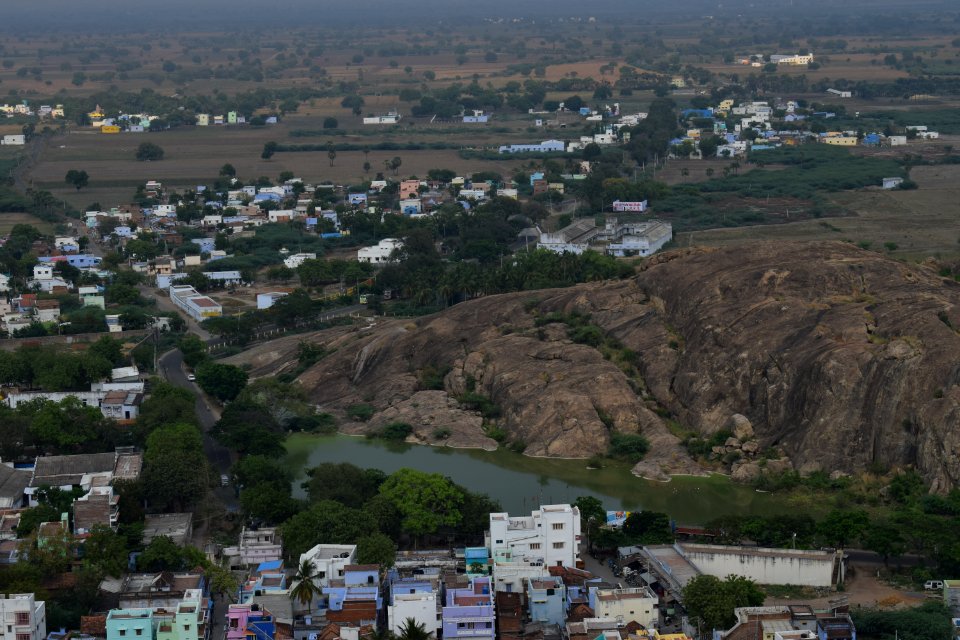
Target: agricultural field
point(920, 224)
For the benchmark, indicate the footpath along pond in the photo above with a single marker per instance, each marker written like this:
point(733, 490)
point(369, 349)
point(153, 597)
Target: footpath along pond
point(520, 483)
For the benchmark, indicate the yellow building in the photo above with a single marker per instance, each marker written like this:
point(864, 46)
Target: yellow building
point(109, 128)
point(841, 141)
point(96, 114)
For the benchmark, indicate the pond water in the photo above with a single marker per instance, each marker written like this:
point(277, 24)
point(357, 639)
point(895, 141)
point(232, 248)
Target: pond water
point(520, 483)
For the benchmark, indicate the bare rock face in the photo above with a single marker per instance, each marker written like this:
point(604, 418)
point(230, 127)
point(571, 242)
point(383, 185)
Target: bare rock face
point(437, 419)
point(836, 356)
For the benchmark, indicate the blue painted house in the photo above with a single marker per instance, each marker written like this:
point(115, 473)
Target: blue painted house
point(547, 598)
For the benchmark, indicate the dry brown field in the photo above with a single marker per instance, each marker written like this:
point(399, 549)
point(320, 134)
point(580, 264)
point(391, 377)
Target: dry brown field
point(923, 224)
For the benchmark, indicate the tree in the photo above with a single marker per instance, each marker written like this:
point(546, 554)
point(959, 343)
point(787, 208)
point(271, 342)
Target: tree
point(222, 381)
point(376, 548)
point(305, 589)
point(228, 171)
point(841, 526)
point(325, 522)
point(78, 178)
point(366, 167)
point(148, 151)
point(162, 554)
point(712, 601)
point(648, 527)
point(427, 501)
point(330, 123)
point(106, 550)
point(413, 630)
point(174, 466)
point(331, 153)
point(346, 483)
point(884, 538)
point(193, 349)
point(395, 164)
point(269, 149)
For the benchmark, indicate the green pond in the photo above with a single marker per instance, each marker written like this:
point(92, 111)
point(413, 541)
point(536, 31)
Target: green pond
point(521, 483)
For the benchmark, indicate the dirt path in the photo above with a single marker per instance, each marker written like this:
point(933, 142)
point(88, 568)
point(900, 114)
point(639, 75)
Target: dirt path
point(863, 589)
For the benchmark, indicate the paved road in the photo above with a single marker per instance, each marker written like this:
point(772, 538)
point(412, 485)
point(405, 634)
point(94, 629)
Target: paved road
point(171, 368)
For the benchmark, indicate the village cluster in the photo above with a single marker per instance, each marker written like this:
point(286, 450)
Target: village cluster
point(527, 581)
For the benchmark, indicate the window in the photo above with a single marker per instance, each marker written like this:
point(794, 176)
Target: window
point(23, 636)
point(186, 627)
point(322, 575)
point(499, 541)
point(139, 632)
point(558, 545)
point(534, 546)
point(558, 526)
point(23, 617)
point(123, 632)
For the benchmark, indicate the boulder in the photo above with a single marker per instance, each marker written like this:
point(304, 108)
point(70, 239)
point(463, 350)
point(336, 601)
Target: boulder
point(777, 467)
point(751, 446)
point(741, 426)
point(746, 472)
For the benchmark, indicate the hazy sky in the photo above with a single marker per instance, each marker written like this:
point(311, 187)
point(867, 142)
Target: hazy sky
point(213, 15)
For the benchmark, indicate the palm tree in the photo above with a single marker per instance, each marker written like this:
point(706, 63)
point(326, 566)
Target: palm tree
point(305, 589)
point(413, 630)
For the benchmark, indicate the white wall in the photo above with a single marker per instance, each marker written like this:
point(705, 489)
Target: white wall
point(764, 566)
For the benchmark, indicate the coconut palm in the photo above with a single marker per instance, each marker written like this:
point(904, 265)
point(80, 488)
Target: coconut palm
point(305, 589)
point(413, 630)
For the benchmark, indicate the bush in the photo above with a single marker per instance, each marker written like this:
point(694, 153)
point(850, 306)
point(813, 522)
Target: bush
point(396, 431)
point(149, 151)
point(628, 446)
point(360, 412)
point(441, 434)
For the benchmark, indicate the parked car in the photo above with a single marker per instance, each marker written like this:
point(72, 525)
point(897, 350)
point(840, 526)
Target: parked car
point(933, 584)
point(224, 480)
point(191, 377)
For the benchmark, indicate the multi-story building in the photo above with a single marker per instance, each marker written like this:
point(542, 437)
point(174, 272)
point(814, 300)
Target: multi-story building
point(468, 609)
point(382, 253)
point(255, 547)
point(547, 598)
point(329, 560)
point(249, 622)
point(551, 534)
point(24, 617)
point(627, 605)
point(416, 600)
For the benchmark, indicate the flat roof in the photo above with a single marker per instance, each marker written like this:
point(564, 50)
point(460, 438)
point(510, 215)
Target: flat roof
point(203, 301)
point(760, 552)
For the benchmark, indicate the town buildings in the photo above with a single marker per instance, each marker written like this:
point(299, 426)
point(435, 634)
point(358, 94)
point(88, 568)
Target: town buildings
point(614, 238)
point(24, 617)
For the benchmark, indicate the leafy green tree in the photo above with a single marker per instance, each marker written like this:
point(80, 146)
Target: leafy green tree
point(193, 349)
point(78, 178)
point(31, 518)
point(268, 502)
point(228, 171)
point(174, 466)
point(648, 527)
point(376, 548)
point(330, 123)
point(166, 404)
point(343, 482)
point(222, 381)
point(105, 549)
point(883, 537)
point(712, 601)
point(929, 621)
point(326, 522)
point(162, 554)
point(269, 149)
point(841, 526)
point(148, 151)
point(427, 501)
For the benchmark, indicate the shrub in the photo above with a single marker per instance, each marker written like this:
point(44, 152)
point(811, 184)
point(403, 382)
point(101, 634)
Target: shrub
point(628, 446)
point(396, 431)
point(441, 434)
point(360, 412)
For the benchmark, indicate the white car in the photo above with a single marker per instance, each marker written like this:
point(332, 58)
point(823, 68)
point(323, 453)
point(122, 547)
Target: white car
point(191, 377)
point(224, 480)
point(933, 584)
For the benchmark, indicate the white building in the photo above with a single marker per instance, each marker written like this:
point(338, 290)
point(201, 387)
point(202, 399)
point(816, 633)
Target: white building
point(256, 546)
point(329, 560)
point(14, 140)
point(391, 118)
point(4, 282)
point(197, 306)
point(380, 253)
point(765, 566)
point(628, 605)
point(24, 617)
point(421, 606)
point(267, 300)
point(551, 534)
point(298, 259)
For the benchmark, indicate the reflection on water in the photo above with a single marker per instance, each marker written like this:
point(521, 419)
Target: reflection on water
point(521, 483)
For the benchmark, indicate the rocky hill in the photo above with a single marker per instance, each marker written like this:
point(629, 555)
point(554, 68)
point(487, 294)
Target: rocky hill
point(817, 357)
